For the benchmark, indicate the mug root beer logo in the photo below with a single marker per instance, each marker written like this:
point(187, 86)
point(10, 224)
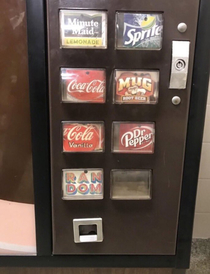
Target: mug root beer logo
point(136, 87)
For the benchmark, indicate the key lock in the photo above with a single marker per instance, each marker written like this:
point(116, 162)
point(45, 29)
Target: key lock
point(179, 64)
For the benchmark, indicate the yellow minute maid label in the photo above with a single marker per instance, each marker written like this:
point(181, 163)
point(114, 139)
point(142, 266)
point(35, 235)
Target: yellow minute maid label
point(89, 42)
point(83, 29)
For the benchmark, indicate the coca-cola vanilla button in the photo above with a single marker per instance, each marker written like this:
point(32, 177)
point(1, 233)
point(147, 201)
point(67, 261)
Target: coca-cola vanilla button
point(83, 137)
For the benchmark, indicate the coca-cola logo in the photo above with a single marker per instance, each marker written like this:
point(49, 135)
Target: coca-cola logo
point(77, 133)
point(136, 138)
point(80, 137)
point(95, 86)
point(84, 85)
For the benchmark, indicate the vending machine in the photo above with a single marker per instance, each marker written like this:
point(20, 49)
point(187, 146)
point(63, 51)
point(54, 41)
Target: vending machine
point(118, 94)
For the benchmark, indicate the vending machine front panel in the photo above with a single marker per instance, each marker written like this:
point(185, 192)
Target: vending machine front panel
point(120, 76)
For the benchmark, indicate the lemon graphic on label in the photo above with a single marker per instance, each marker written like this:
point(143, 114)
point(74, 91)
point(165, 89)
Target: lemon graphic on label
point(148, 22)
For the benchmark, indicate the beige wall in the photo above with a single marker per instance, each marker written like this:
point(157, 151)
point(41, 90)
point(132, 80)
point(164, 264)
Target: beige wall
point(202, 212)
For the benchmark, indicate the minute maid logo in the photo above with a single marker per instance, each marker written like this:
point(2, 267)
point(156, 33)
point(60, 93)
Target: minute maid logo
point(142, 30)
point(83, 28)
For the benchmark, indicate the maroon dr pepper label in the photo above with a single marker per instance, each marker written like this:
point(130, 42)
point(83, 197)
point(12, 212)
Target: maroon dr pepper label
point(83, 137)
point(133, 137)
point(83, 85)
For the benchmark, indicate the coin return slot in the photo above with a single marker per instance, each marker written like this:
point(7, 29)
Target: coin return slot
point(88, 233)
point(88, 230)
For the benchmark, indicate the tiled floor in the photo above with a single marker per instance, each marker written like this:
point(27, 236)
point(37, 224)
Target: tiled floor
point(200, 258)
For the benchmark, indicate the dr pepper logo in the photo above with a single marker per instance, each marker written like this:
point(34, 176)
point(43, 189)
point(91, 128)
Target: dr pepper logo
point(136, 87)
point(83, 86)
point(135, 138)
point(82, 137)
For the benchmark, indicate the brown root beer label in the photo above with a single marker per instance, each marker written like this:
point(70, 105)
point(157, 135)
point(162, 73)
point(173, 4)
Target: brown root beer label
point(83, 85)
point(136, 87)
point(134, 137)
point(83, 137)
point(82, 184)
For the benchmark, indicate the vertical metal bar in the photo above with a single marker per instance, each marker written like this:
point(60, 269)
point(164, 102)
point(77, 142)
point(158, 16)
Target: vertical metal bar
point(39, 120)
point(194, 136)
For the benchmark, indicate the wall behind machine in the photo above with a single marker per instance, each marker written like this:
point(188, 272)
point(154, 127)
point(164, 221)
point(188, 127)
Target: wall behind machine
point(202, 212)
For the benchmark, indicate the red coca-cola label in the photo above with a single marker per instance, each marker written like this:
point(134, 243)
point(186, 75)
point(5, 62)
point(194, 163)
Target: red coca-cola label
point(136, 138)
point(136, 87)
point(79, 137)
point(82, 85)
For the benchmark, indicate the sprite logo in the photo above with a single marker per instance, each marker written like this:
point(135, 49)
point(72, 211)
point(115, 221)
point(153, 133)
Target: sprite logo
point(143, 30)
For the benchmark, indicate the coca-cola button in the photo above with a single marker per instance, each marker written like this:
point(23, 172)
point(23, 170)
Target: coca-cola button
point(83, 86)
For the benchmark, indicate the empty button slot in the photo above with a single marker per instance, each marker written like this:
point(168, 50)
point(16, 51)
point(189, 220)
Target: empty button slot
point(131, 184)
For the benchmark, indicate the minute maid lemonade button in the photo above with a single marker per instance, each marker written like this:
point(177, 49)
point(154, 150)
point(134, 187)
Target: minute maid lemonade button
point(83, 29)
point(139, 31)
